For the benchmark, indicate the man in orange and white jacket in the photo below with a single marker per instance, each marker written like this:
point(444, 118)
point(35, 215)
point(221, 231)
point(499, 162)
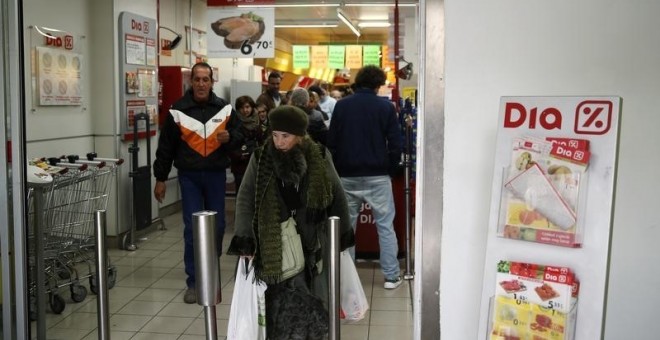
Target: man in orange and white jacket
point(197, 136)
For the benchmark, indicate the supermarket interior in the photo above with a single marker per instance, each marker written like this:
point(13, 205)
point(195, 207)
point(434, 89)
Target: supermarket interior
point(523, 192)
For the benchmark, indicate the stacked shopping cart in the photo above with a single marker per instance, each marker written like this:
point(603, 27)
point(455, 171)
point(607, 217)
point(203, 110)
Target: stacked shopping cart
point(61, 238)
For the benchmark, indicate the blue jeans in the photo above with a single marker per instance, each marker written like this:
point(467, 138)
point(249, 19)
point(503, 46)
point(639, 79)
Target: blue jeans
point(377, 192)
point(201, 190)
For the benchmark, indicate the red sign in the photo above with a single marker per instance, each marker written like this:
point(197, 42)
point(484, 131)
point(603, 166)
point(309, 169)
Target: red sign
point(592, 117)
point(65, 41)
point(238, 2)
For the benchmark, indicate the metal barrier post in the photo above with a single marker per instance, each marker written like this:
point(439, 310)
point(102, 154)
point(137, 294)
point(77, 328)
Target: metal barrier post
point(334, 279)
point(207, 270)
point(101, 276)
point(39, 268)
point(407, 160)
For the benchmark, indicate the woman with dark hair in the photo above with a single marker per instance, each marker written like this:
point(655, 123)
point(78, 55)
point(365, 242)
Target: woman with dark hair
point(254, 136)
point(291, 180)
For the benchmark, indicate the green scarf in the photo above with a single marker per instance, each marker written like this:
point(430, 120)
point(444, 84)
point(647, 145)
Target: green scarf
point(271, 168)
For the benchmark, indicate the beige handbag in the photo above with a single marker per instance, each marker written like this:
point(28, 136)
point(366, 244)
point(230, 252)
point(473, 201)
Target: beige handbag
point(293, 258)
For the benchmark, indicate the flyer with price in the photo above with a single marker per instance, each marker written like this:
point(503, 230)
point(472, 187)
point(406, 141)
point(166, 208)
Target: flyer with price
point(241, 32)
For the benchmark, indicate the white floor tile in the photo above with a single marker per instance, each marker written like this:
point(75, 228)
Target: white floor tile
point(142, 308)
point(180, 309)
point(167, 324)
point(128, 323)
point(147, 300)
point(158, 294)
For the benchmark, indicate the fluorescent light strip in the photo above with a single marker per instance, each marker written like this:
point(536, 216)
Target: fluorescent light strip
point(347, 21)
point(290, 5)
point(379, 5)
point(367, 24)
point(306, 26)
point(329, 5)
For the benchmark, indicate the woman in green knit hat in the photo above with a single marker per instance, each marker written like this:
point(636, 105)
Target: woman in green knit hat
point(291, 176)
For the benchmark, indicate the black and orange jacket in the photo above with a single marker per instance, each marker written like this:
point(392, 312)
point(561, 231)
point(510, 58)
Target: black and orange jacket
point(189, 137)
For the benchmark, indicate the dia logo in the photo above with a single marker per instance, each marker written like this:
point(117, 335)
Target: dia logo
point(593, 117)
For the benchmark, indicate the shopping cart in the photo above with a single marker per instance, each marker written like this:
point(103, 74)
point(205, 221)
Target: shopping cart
point(63, 226)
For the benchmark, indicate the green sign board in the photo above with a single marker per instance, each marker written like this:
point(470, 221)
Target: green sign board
point(336, 56)
point(300, 56)
point(371, 55)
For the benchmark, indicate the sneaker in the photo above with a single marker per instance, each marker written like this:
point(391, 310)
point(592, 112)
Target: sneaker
point(393, 283)
point(190, 296)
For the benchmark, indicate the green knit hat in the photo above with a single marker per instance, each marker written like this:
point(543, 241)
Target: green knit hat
point(287, 118)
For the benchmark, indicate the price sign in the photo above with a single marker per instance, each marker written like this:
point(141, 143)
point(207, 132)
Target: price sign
point(241, 32)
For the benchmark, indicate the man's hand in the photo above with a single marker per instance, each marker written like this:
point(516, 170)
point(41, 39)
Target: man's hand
point(159, 191)
point(223, 136)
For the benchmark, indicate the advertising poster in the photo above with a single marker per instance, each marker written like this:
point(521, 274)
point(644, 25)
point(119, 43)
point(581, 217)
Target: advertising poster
point(134, 107)
point(58, 77)
point(319, 57)
point(135, 50)
point(148, 80)
point(300, 56)
point(354, 56)
point(371, 55)
point(241, 32)
point(336, 56)
point(551, 208)
point(151, 52)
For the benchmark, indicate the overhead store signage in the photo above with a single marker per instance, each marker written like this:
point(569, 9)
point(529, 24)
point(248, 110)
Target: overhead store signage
point(371, 55)
point(300, 56)
point(319, 57)
point(354, 56)
point(241, 32)
point(336, 56)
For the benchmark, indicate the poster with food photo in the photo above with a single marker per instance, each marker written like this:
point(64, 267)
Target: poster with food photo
point(241, 32)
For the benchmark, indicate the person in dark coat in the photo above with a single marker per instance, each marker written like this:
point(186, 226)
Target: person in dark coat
point(291, 176)
point(253, 137)
point(197, 137)
point(317, 129)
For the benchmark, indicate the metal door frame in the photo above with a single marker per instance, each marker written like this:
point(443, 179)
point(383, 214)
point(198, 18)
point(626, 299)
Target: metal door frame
point(430, 186)
point(13, 238)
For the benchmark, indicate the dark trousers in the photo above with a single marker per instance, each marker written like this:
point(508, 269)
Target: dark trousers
point(201, 190)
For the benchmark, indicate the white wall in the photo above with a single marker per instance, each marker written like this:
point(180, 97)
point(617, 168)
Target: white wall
point(522, 48)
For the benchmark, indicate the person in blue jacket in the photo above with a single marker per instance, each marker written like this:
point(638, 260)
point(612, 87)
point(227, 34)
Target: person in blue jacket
point(365, 142)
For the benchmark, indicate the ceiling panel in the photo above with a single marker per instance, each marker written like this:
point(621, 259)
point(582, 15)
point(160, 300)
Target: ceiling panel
point(319, 13)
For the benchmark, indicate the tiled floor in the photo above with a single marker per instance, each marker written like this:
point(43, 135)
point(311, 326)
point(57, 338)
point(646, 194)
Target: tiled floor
point(147, 299)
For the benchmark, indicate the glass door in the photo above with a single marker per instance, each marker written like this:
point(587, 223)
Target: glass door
point(14, 322)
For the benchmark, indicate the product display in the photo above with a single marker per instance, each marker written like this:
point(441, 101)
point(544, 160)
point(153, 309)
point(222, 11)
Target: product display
point(534, 302)
point(541, 187)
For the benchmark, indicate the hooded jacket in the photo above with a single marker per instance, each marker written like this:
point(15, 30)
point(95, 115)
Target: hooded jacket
point(188, 138)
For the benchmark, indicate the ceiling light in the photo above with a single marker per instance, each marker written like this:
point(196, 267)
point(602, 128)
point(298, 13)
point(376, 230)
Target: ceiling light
point(305, 24)
point(365, 24)
point(342, 16)
point(294, 5)
point(291, 5)
point(388, 4)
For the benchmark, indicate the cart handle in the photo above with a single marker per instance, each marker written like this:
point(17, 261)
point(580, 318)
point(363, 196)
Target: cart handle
point(75, 159)
point(92, 156)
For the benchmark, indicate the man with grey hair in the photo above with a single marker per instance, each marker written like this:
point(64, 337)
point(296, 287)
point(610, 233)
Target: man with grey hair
point(316, 128)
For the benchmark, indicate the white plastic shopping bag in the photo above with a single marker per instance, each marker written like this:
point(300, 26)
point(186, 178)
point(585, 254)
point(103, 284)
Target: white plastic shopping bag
point(247, 315)
point(354, 304)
